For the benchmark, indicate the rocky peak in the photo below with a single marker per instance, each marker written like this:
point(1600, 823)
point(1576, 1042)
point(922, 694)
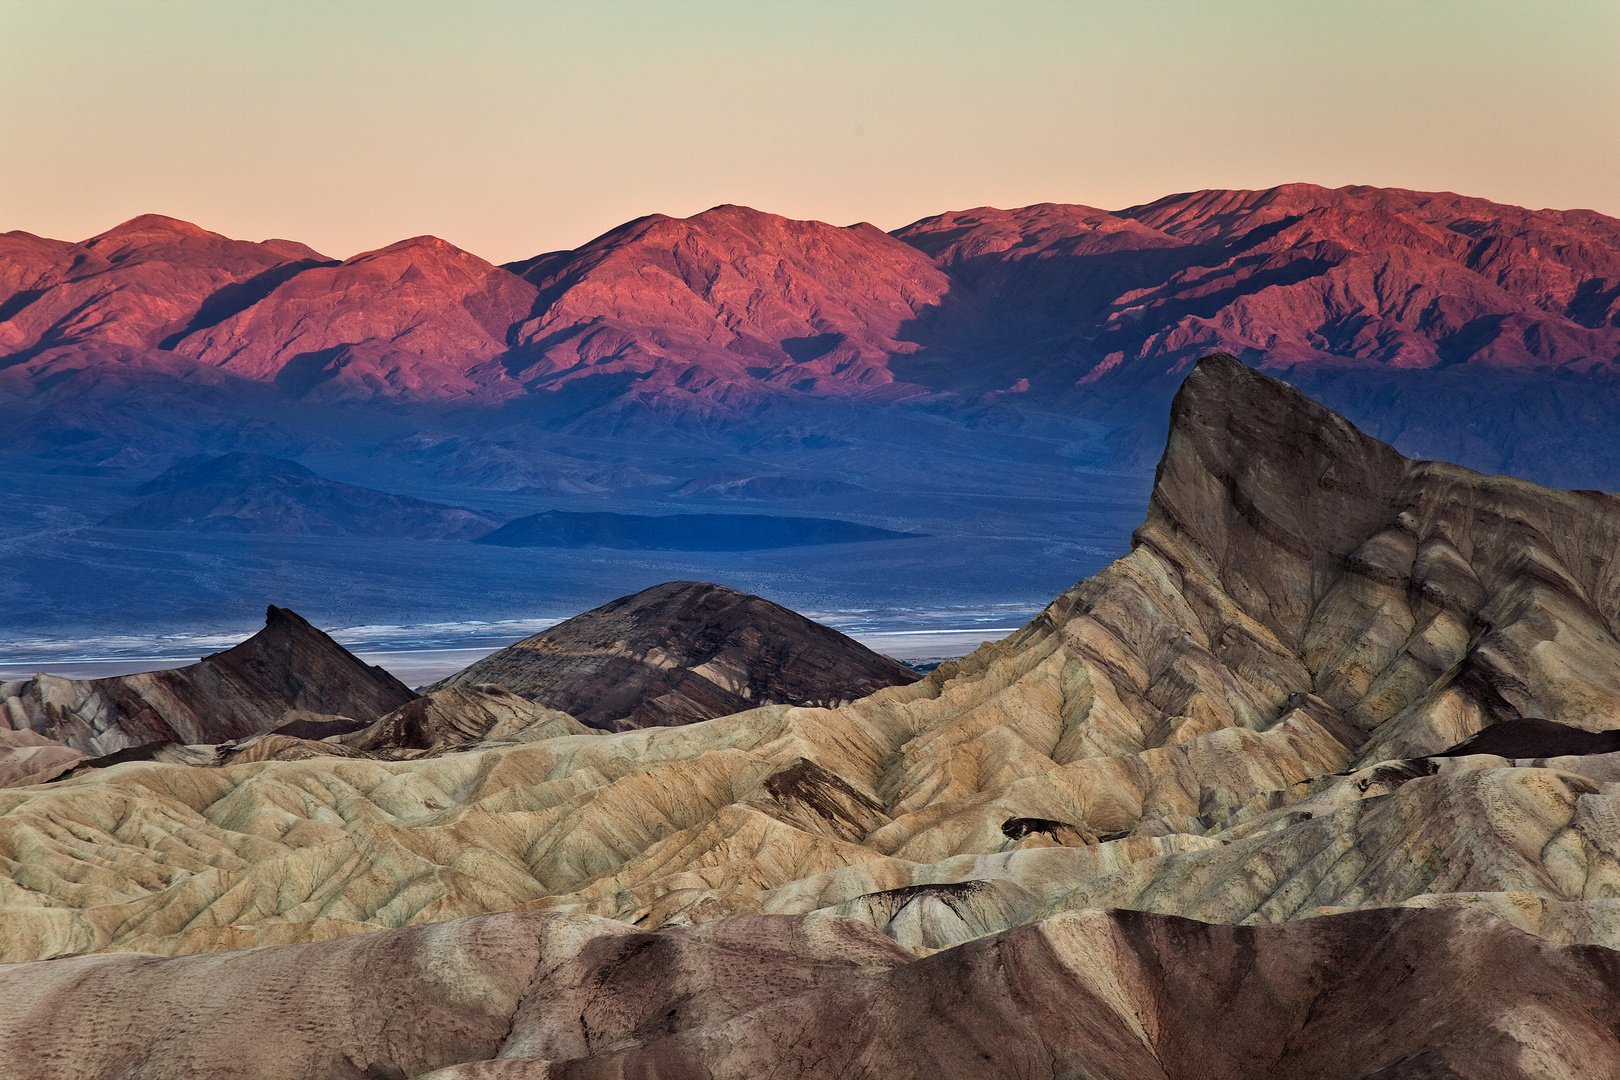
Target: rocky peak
point(233, 694)
point(1275, 489)
point(1423, 600)
point(293, 663)
point(681, 652)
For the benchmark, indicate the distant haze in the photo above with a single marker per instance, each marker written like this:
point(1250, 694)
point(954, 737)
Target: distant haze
point(514, 128)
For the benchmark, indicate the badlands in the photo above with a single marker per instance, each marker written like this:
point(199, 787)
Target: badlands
point(1313, 782)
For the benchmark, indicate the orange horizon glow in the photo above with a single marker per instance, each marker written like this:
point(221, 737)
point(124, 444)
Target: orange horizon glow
point(510, 128)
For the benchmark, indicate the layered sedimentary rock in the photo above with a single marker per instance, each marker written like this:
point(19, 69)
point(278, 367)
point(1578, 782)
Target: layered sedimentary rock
point(1112, 995)
point(441, 721)
point(233, 694)
point(29, 757)
point(1260, 717)
point(681, 652)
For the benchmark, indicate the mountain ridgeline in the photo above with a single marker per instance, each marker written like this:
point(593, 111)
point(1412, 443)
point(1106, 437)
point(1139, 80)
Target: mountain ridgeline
point(991, 384)
point(1394, 305)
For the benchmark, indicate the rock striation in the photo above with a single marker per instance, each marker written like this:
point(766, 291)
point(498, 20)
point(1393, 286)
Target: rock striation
point(1250, 801)
point(233, 694)
point(1245, 720)
point(1113, 995)
point(27, 757)
point(681, 652)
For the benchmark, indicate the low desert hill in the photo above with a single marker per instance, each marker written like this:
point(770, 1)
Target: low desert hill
point(1213, 813)
point(681, 652)
point(681, 532)
point(254, 493)
point(233, 694)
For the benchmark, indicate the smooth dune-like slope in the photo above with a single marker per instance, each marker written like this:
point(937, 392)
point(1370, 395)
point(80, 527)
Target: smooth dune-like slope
point(256, 493)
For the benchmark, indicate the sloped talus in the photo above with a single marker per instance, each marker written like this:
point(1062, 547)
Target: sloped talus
point(229, 695)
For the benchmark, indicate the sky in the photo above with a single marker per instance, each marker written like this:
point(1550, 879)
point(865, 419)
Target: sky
point(511, 128)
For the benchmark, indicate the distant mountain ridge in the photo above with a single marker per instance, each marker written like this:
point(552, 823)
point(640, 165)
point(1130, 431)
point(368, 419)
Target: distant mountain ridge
point(1380, 300)
point(734, 297)
point(681, 532)
point(256, 493)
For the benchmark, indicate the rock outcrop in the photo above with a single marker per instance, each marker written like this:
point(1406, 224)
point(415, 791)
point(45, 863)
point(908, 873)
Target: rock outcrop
point(458, 716)
point(681, 652)
point(233, 694)
point(27, 757)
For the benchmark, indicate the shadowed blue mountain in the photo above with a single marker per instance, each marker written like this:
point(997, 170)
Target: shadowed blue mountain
point(256, 493)
point(682, 532)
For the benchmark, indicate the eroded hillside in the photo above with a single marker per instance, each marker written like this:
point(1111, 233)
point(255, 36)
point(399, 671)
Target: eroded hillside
point(1234, 722)
point(1252, 719)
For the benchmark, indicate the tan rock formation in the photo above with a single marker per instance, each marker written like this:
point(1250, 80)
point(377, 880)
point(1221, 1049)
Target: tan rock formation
point(29, 757)
point(1246, 720)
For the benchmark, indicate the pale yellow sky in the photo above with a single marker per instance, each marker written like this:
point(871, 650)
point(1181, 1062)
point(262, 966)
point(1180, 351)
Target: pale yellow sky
point(515, 127)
